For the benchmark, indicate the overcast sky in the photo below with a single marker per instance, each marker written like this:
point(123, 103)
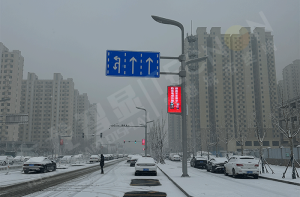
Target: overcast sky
point(71, 38)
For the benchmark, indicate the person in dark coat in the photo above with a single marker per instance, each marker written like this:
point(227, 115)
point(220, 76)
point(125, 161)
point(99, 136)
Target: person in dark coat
point(102, 163)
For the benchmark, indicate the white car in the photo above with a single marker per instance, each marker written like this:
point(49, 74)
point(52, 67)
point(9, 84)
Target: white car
point(145, 165)
point(26, 158)
point(242, 166)
point(7, 159)
point(19, 159)
point(94, 158)
point(129, 158)
point(175, 158)
point(66, 159)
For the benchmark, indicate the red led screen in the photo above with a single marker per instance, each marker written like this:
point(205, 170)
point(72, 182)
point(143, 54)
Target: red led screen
point(143, 141)
point(174, 99)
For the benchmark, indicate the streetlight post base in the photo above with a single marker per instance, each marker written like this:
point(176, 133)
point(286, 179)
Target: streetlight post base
point(185, 175)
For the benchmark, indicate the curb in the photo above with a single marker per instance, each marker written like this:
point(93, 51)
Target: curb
point(175, 183)
point(282, 181)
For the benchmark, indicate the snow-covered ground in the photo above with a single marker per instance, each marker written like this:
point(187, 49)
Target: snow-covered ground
point(203, 183)
point(114, 182)
point(278, 170)
point(15, 177)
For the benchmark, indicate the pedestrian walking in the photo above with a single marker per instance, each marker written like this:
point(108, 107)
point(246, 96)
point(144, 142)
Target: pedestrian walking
point(102, 163)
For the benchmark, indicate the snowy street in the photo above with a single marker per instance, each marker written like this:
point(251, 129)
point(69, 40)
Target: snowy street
point(114, 182)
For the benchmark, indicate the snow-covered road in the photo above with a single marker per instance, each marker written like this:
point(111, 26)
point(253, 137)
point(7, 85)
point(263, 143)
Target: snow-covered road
point(115, 182)
point(203, 183)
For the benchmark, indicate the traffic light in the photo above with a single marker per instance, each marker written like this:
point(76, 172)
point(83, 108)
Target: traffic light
point(143, 141)
point(82, 135)
point(100, 135)
point(135, 141)
point(143, 148)
point(124, 141)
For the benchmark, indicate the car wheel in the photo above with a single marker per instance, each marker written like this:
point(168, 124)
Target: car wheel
point(26, 171)
point(256, 176)
point(212, 170)
point(233, 173)
point(45, 169)
point(225, 173)
point(207, 169)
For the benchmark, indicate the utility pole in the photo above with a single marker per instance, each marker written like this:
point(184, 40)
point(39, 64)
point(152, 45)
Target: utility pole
point(182, 75)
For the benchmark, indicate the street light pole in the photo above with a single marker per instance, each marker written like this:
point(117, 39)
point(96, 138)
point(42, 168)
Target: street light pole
point(183, 93)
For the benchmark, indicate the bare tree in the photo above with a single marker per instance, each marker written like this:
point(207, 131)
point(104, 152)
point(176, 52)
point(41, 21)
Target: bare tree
point(260, 134)
point(242, 135)
point(226, 137)
point(158, 135)
point(289, 114)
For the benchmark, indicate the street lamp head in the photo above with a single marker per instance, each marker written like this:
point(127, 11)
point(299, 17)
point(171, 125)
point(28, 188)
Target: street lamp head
point(167, 21)
point(140, 108)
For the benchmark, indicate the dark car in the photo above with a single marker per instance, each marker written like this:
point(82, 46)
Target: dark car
point(216, 164)
point(39, 164)
point(133, 161)
point(198, 162)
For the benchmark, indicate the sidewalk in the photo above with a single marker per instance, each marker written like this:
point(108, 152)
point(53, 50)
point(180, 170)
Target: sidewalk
point(202, 183)
point(279, 170)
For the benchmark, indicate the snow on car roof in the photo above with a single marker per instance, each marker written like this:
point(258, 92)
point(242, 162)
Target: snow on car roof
point(145, 160)
point(3, 157)
point(36, 159)
point(135, 157)
point(176, 156)
point(201, 158)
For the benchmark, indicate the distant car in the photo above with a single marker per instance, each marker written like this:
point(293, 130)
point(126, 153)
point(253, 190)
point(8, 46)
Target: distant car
point(94, 158)
point(175, 158)
point(145, 165)
point(198, 162)
point(66, 159)
point(242, 166)
point(26, 158)
point(18, 159)
point(120, 155)
point(133, 160)
point(39, 164)
point(7, 159)
point(129, 158)
point(216, 164)
point(116, 156)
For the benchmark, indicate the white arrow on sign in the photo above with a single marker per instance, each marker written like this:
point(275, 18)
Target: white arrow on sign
point(149, 60)
point(115, 66)
point(132, 60)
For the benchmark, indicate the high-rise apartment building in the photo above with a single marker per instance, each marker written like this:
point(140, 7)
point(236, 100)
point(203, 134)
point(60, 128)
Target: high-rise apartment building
point(233, 90)
point(12, 63)
point(83, 105)
point(49, 104)
point(291, 80)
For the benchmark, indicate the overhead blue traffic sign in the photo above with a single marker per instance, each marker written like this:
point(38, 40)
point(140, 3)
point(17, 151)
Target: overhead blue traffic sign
point(132, 64)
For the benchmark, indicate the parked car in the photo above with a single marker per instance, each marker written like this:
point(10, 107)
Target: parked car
point(66, 159)
point(120, 155)
point(242, 166)
point(19, 159)
point(39, 164)
point(26, 158)
point(145, 165)
point(198, 162)
point(129, 158)
point(175, 158)
point(6, 159)
point(133, 160)
point(94, 158)
point(216, 164)
point(116, 156)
